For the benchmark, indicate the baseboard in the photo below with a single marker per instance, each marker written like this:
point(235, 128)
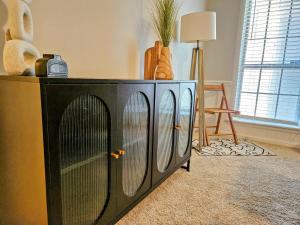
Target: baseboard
point(272, 141)
point(271, 135)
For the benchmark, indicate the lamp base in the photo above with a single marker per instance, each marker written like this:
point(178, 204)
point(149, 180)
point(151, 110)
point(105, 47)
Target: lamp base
point(197, 63)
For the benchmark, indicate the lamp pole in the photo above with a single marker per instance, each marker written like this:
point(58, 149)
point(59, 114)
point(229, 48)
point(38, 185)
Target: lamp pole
point(197, 61)
point(198, 26)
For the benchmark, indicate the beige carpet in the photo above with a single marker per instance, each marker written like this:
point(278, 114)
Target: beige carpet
point(227, 190)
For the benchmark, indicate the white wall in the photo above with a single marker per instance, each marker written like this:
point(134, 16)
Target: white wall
point(219, 54)
point(221, 61)
point(102, 38)
point(182, 52)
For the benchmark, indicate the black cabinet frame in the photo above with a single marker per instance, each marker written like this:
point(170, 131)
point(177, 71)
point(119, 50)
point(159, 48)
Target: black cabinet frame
point(55, 102)
point(160, 90)
point(190, 87)
point(124, 92)
point(57, 94)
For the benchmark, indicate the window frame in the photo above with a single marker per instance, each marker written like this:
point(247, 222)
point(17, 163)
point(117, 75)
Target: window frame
point(241, 47)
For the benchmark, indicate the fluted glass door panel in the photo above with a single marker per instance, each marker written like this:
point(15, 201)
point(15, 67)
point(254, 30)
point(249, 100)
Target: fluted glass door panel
point(84, 147)
point(165, 130)
point(185, 120)
point(135, 143)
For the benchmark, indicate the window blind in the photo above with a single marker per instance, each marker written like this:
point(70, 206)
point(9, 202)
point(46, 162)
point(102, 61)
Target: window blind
point(269, 68)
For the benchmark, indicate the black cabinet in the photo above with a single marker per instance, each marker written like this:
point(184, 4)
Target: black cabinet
point(172, 127)
point(135, 118)
point(166, 109)
point(185, 122)
point(82, 134)
point(107, 144)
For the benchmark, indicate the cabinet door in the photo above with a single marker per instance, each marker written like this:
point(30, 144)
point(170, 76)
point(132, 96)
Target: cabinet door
point(135, 119)
point(81, 175)
point(185, 122)
point(166, 103)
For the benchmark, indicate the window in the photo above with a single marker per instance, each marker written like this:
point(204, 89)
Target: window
point(269, 68)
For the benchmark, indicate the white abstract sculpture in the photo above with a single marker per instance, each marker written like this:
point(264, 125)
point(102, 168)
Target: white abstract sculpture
point(19, 55)
point(20, 20)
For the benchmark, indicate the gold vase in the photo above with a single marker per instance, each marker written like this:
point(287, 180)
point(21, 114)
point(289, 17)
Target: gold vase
point(164, 67)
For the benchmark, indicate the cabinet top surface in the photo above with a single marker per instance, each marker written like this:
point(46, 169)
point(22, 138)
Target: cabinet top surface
point(83, 80)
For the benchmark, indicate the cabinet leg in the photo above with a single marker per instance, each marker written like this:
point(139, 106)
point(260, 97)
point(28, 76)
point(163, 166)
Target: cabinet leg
point(187, 167)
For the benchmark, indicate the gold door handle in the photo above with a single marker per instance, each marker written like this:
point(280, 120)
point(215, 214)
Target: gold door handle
point(121, 152)
point(178, 127)
point(114, 155)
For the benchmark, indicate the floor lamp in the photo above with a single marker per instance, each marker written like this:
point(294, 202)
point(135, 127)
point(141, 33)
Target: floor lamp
point(198, 27)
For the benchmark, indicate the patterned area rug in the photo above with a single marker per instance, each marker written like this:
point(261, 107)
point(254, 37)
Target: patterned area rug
point(227, 147)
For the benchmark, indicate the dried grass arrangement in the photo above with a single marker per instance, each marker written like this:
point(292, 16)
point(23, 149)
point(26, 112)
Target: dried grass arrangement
point(164, 17)
point(158, 59)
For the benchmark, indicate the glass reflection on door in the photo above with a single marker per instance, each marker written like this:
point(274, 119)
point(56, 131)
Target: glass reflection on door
point(165, 130)
point(84, 147)
point(135, 143)
point(185, 120)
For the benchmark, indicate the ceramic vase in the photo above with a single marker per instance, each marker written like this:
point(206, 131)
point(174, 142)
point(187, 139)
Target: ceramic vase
point(164, 67)
point(158, 64)
point(152, 56)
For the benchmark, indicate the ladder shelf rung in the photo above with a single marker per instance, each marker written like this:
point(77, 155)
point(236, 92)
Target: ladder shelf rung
point(219, 134)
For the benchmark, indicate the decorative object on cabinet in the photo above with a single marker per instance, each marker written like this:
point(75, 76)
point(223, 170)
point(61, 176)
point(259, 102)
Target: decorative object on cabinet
point(164, 67)
point(164, 17)
point(88, 150)
point(51, 65)
point(196, 27)
point(152, 56)
point(19, 57)
point(19, 54)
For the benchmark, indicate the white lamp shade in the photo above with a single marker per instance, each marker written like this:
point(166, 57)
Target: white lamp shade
point(200, 26)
